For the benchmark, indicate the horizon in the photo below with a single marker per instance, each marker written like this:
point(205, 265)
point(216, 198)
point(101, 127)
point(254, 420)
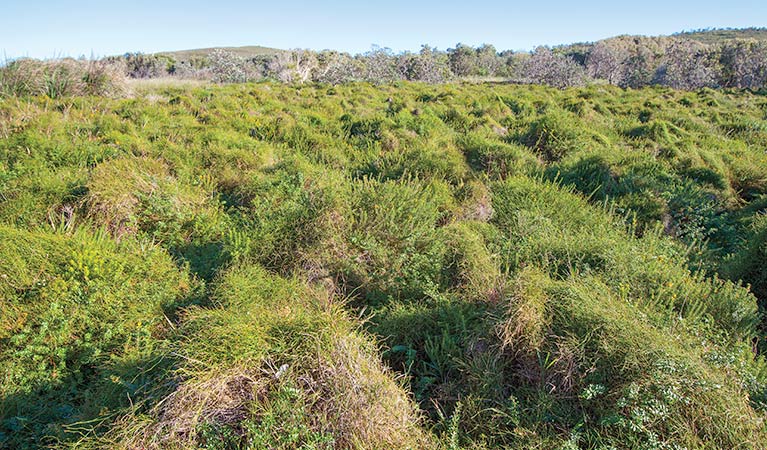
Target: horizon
point(106, 30)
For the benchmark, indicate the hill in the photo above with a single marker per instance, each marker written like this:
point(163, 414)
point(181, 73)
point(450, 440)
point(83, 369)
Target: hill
point(264, 265)
point(707, 36)
point(717, 36)
point(249, 51)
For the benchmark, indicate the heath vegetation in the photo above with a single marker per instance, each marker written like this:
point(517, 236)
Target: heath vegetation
point(391, 264)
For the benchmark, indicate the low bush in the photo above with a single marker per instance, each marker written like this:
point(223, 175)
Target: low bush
point(83, 319)
point(59, 78)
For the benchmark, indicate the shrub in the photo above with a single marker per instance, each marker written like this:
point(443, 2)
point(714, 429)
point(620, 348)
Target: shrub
point(392, 237)
point(547, 67)
point(79, 313)
point(228, 67)
point(60, 78)
point(747, 264)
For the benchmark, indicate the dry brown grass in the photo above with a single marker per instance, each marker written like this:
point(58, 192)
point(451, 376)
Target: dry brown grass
point(114, 187)
point(349, 395)
point(150, 86)
point(361, 401)
point(220, 398)
point(339, 386)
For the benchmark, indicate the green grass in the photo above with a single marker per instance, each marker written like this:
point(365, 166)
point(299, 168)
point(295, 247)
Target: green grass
point(398, 266)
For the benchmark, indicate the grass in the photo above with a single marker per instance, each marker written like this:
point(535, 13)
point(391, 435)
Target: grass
point(397, 266)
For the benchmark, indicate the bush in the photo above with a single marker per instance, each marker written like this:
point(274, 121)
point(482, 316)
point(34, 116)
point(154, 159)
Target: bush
point(547, 67)
point(747, 264)
point(59, 78)
point(228, 67)
point(82, 316)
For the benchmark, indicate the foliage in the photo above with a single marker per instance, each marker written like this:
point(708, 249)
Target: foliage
point(401, 265)
point(60, 78)
point(228, 67)
point(82, 321)
point(691, 60)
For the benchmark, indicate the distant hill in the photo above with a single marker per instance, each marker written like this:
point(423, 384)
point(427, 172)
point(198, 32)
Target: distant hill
point(246, 52)
point(577, 50)
point(580, 50)
point(715, 36)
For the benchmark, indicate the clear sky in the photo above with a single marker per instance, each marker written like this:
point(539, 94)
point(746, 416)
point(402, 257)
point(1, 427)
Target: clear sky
point(48, 28)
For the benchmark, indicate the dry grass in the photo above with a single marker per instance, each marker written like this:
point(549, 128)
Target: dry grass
point(116, 188)
point(145, 86)
point(348, 394)
point(336, 382)
point(357, 396)
point(221, 398)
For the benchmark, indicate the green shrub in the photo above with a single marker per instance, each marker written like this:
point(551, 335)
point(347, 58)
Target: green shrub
point(748, 264)
point(395, 252)
point(78, 313)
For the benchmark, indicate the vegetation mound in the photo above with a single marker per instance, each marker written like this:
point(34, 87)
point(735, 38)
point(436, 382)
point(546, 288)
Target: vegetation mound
point(405, 265)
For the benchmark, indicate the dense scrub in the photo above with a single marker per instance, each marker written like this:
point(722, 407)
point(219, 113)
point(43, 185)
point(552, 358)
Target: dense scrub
point(730, 58)
point(401, 266)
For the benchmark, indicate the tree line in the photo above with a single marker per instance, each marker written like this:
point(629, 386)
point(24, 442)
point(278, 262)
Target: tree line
point(626, 61)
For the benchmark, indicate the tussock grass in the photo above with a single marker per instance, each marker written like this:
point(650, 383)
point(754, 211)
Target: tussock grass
point(83, 322)
point(58, 78)
point(269, 340)
point(394, 266)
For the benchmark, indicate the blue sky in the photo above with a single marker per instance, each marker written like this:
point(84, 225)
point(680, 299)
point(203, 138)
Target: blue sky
point(47, 28)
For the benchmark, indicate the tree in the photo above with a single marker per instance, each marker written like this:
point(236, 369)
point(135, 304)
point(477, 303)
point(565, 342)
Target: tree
point(514, 64)
point(688, 65)
point(334, 67)
point(606, 61)
point(488, 62)
point(428, 66)
point(381, 65)
point(547, 67)
point(626, 61)
point(462, 60)
point(139, 65)
point(228, 67)
point(744, 64)
point(293, 66)
point(645, 56)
